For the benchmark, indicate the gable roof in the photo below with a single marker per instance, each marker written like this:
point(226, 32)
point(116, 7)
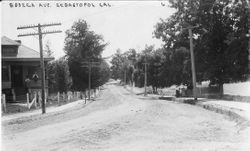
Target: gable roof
point(24, 53)
point(9, 42)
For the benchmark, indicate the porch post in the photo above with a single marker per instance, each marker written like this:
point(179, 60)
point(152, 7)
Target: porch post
point(9, 67)
point(28, 101)
point(14, 94)
point(4, 103)
point(58, 98)
point(35, 97)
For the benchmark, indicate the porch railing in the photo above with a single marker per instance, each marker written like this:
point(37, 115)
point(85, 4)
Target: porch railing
point(38, 83)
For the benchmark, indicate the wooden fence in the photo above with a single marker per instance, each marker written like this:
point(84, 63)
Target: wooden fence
point(34, 99)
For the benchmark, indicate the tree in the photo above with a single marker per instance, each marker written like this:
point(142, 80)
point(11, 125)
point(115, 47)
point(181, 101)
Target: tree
point(123, 65)
point(104, 73)
point(50, 67)
point(219, 42)
point(83, 45)
point(47, 50)
point(60, 79)
point(143, 57)
point(155, 68)
point(116, 68)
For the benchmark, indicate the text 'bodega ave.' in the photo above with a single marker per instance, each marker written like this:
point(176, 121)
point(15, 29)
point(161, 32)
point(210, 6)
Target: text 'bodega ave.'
point(62, 5)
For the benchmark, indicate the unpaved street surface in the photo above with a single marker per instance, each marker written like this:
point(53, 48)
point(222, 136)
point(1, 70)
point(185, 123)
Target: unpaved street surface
point(119, 120)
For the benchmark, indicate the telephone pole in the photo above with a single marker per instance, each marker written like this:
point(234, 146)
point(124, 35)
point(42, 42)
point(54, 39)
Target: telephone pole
point(249, 45)
point(248, 4)
point(40, 35)
point(125, 76)
point(190, 28)
point(192, 62)
point(124, 66)
point(90, 65)
point(145, 76)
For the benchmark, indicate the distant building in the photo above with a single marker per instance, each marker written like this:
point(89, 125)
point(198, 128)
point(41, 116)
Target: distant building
point(20, 63)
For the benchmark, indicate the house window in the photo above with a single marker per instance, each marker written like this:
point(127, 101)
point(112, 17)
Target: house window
point(5, 73)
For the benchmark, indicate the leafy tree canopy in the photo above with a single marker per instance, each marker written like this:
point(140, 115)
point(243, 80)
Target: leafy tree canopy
point(83, 45)
point(220, 43)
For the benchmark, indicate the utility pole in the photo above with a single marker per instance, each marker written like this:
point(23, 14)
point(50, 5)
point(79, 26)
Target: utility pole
point(132, 79)
point(248, 4)
point(192, 62)
point(90, 65)
point(145, 76)
point(42, 68)
point(145, 80)
point(40, 35)
point(190, 28)
point(125, 76)
point(125, 65)
point(249, 46)
point(89, 79)
point(248, 35)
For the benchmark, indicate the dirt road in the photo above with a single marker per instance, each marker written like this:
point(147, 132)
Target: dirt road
point(119, 120)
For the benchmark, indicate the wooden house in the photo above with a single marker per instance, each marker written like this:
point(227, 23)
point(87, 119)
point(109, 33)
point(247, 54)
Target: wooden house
point(19, 63)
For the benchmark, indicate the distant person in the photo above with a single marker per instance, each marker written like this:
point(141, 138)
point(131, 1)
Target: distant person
point(35, 76)
point(27, 84)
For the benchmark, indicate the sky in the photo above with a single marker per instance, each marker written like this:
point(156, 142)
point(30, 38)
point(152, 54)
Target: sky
point(123, 25)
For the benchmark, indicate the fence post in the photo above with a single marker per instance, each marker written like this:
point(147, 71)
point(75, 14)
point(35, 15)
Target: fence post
point(94, 93)
point(68, 96)
point(77, 95)
point(39, 98)
point(91, 93)
point(4, 103)
point(71, 95)
point(85, 96)
point(28, 100)
point(200, 92)
point(35, 97)
point(63, 96)
point(58, 98)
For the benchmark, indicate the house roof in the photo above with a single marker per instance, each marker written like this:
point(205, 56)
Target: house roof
point(9, 42)
point(24, 53)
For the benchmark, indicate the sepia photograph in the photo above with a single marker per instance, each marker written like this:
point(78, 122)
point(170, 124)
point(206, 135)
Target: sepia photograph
point(159, 75)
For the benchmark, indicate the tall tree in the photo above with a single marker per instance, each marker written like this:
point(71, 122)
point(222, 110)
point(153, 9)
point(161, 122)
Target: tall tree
point(155, 68)
point(116, 67)
point(83, 45)
point(59, 77)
